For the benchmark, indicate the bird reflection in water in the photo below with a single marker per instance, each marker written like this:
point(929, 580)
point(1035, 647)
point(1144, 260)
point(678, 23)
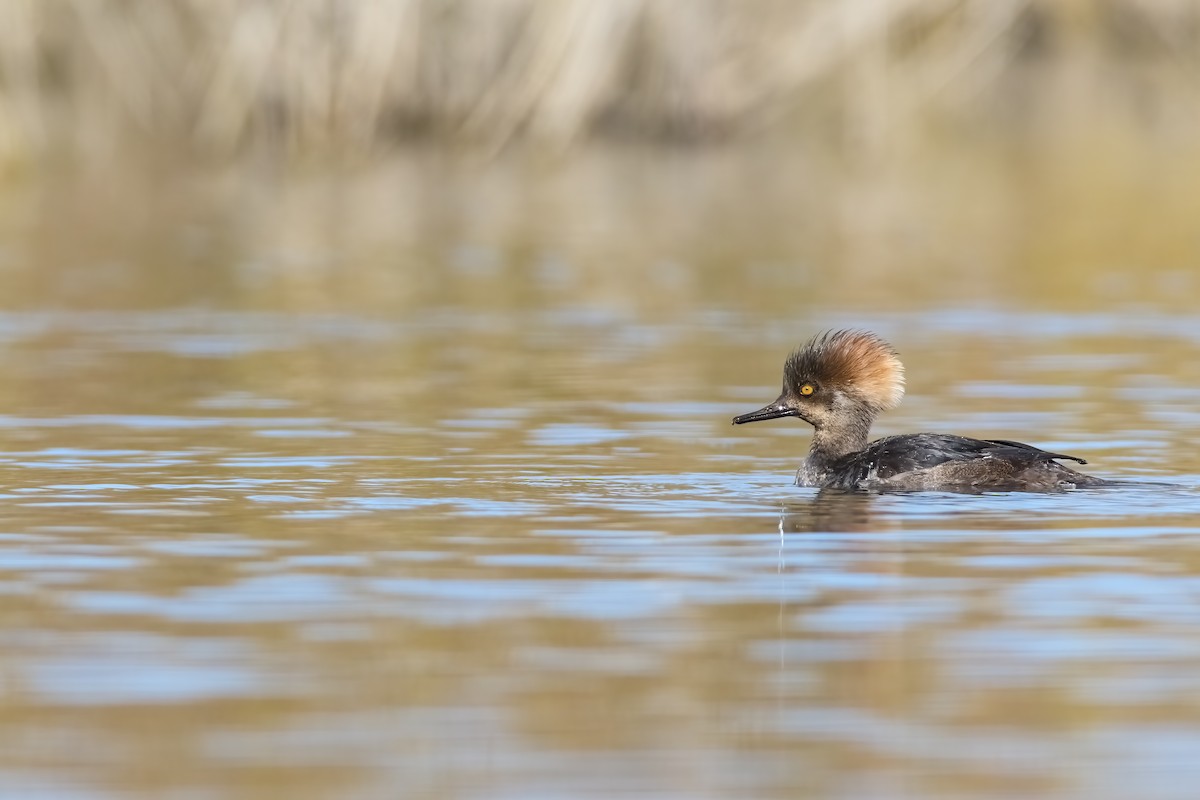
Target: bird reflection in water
point(830, 510)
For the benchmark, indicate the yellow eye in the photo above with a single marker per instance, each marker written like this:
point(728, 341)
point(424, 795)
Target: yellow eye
point(807, 389)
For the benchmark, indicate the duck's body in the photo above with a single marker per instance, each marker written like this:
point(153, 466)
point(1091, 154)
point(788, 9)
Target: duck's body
point(840, 381)
point(942, 461)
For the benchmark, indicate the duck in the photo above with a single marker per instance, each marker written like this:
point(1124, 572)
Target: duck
point(840, 381)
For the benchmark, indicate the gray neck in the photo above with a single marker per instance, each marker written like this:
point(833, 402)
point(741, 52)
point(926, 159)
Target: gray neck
point(832, 441)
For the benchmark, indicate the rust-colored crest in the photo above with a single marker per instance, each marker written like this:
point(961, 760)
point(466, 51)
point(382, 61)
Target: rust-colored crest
point(857, 362)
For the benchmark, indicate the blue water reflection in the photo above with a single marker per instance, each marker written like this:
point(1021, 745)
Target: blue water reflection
point(579, 569)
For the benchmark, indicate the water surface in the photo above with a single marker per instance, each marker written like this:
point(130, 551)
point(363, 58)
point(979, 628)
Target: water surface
point(398, 534)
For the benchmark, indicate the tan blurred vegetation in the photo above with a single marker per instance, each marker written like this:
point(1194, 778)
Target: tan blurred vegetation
point(766, 155)
point(303, 76)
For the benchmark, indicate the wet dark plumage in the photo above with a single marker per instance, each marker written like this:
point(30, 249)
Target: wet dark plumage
point(838, 382)
point(942, 460)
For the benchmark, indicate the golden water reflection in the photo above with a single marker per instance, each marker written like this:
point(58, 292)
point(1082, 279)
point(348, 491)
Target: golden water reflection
point(420, 483)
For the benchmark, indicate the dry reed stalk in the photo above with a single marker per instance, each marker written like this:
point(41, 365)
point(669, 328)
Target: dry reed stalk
point(319, 74)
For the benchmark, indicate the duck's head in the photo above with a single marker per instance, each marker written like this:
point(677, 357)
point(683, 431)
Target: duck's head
point(838, 377)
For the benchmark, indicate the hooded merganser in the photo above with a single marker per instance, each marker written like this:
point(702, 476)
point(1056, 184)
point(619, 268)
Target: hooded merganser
point(839, 382)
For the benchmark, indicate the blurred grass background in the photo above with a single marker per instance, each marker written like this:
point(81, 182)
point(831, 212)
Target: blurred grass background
point(303, 76)
point(761, 153)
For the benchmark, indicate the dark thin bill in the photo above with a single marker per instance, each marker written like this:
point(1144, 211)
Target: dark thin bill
point(773, 411)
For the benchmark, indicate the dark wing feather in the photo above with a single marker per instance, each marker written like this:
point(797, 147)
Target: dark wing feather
point(893, 455)
point(1045, 454)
